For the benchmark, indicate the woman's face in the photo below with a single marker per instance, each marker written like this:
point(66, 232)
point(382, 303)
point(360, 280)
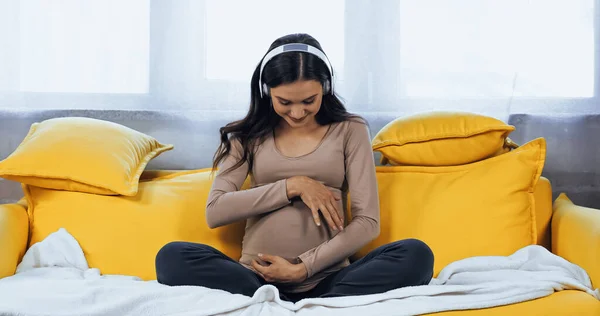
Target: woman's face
point(298, 102)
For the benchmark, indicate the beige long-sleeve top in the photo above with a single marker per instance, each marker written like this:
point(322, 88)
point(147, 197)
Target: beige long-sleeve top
point(343, 161)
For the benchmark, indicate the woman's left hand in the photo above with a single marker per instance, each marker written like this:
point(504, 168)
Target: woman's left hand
point(280, 270)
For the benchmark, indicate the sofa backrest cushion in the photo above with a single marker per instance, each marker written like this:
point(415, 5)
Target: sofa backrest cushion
point(486, 208)
point(122, 235)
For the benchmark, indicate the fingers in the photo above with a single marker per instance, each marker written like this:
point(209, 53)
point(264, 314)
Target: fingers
point(262, 271)
point(327, 214)
point(315, 214)
point(318, 197)
point(268, 258)
point(336, 216)
point(329, 211)
point(264, 277)
point(270, 273)
point(259, 268)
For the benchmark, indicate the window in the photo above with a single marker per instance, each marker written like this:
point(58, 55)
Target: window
point(491, 48)
point(239, 33)
point(96, 46)
point(398, 57)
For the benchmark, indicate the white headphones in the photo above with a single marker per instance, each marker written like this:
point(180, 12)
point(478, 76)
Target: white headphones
point(295, 47)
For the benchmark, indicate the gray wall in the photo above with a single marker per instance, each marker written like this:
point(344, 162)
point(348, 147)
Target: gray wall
point(573, 158)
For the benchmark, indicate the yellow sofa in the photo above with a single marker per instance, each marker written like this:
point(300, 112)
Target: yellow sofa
point(570, 231)
point(492, 202)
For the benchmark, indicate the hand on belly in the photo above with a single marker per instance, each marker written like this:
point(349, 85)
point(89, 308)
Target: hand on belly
point(322, 201)
point(278, 270)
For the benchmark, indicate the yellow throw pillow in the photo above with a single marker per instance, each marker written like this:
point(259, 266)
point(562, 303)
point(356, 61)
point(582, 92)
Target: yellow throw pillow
point(479, 209)
point(122, 235)
point(82, 154)
point(441, 139)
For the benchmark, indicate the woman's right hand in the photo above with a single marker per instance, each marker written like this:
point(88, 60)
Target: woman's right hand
point(318, 198)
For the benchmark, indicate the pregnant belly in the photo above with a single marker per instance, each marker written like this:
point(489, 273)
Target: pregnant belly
point(286, 232)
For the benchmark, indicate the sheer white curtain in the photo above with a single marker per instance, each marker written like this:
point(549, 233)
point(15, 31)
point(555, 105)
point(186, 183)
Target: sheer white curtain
point(402, 56)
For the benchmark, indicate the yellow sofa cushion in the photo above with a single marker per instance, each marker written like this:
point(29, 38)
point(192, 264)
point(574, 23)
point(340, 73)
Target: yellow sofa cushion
point(478, 209)
point(82, 154)
point(13, 236)
point(576, 235)
point(561, 303)
point(543, 211)
point(441, 139)
point(120, 234)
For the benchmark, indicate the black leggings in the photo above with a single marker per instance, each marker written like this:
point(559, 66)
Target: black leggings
point(398, 264)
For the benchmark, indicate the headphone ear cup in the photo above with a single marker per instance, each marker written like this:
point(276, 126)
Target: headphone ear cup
point(265, 89)
point(326, 87)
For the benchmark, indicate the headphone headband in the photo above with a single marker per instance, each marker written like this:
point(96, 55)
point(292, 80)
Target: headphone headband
point(292, 47)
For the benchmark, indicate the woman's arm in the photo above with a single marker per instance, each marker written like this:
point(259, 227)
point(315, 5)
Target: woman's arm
point(227, 204)
point(362, 182)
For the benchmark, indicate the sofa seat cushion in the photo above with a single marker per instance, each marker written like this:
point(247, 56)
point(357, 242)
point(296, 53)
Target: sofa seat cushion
point(486, 208)
point(122, 235)
point(569, 302)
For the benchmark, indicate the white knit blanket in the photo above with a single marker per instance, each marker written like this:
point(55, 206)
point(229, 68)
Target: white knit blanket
point(54, 279)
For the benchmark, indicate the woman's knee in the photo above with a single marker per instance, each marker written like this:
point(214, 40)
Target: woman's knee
point(421, 256)
point(419, 250)
point(414, 255)
point(169, 253)
point(168, 262)
point(410, 245)
point(172, 262)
